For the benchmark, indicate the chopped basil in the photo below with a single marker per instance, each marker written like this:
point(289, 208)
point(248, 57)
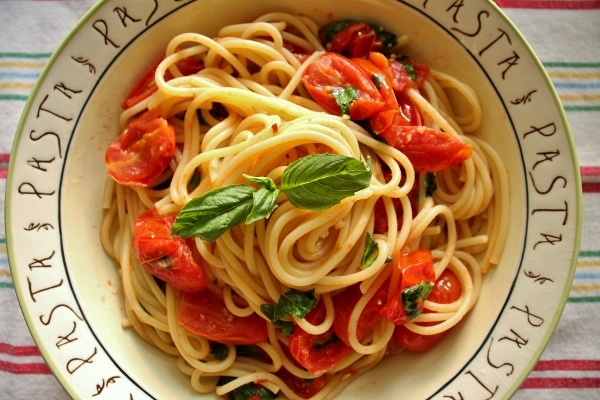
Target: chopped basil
point(246, 392)
point(248, 350)
point(413, 297)
point(293, 303)
point(287, 327)
point(344, 96)
point(388, 39)
point(371, 252)
point(430, 184)
point(193, 182)
point(219, 351)
point(314, 182)
point(410, 69)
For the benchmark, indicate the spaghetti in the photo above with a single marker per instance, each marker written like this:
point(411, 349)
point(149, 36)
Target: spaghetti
point(245, 110)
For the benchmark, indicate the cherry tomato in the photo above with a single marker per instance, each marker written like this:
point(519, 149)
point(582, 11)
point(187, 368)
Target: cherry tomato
point(305, 388)
point(446, 290)
point(344, 304)
point(416, 267)
point(146, 86)
point(320, 353)
point(428, 149)
point(355, 40)
point(205, 314)
point(401, 76)
point(169, 258)
point(332, 71)
point(412, 341)
point(143, 88)
point(398, 109)
point(142, 151)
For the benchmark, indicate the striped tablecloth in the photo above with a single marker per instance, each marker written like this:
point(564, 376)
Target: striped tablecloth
point(566, 37)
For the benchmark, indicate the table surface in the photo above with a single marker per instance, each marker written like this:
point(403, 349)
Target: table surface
point(566, 37)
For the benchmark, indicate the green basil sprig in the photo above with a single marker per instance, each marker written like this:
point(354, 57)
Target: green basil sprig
point(315, 182)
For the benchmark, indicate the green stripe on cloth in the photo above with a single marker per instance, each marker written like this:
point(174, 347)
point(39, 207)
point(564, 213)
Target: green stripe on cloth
point(570, 64)
point(25, 55)
point(589, 253)
point(14, 97)
point(584, 299)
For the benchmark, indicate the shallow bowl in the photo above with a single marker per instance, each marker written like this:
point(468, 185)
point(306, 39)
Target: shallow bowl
point(69, 289)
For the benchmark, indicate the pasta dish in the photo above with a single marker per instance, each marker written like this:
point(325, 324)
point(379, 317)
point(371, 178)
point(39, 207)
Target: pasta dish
point(289, 203)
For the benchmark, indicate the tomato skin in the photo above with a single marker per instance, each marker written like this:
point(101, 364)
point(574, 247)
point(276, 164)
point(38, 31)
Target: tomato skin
point(416, 267)
point(334, 70)
point(204, 313)
point(412, 341)
point(146, 85)
point(169, 258)
point(344, 304)
point(398, 109)
point(306, 349)
point(143, 88)
point(356, 40)
point(401, 79)
point(447, 289)
point(305, 388)
point(428, 149)
point(142, 151)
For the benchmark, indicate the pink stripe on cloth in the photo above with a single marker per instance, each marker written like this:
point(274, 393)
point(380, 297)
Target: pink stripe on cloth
point(38, 368)
point(561, 383)
point(551, 4)
point(25, 367)
point(591, 171)
point(568, 365)
point(19, 351)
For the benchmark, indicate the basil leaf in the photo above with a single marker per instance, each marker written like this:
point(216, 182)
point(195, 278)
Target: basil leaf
point(265, 198)
point(413, 297)
point(320, 181)
point(344, 96)
point(263, 181)
point(210, 215)
point(265, 201)
point(371, 252)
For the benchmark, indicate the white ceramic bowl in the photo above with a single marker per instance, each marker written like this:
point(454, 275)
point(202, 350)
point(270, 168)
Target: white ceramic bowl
point(68, 288)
